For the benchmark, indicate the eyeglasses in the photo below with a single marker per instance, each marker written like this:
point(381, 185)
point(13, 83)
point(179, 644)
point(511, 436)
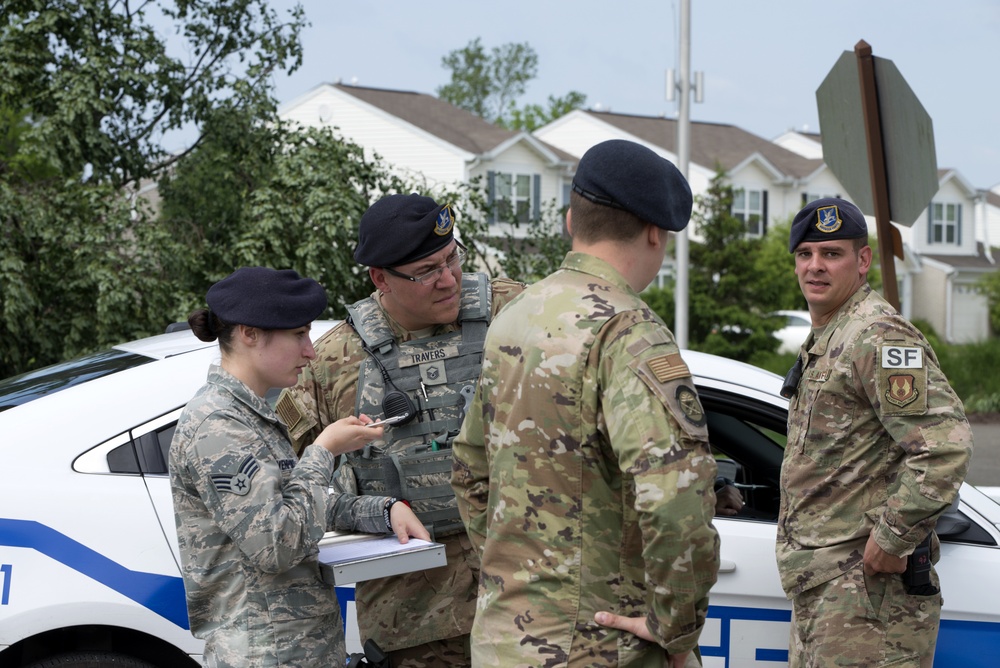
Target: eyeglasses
point(431, 277)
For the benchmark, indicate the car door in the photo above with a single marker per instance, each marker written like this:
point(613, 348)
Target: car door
point(749, 614)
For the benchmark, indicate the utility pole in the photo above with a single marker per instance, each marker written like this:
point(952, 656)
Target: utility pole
point(682, 84)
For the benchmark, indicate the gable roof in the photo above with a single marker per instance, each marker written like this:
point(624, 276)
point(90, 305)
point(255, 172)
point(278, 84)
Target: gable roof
point(712, 143)
point(446, 121)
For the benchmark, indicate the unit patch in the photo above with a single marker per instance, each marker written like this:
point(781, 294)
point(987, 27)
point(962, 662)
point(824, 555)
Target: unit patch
point(691, 406)
point(238, 483)
point(902, 390)
point(668, 367)
point(828, 219)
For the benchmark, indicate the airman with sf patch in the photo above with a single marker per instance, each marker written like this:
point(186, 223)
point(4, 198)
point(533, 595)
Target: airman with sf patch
point(878, 446)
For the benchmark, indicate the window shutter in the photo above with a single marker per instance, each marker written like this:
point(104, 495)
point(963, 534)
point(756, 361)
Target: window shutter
point(930, 223)
point(491, 193)
point(763, 212)
point(958, 223)
point(536, 198)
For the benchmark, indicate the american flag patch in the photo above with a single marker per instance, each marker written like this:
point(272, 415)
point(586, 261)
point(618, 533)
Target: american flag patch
point(668, 367)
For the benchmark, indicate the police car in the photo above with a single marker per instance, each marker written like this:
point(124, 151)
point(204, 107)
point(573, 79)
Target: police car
point(89, 572)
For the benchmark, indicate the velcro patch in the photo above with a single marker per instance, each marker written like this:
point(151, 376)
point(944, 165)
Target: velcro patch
point(668, 367)
point(410, 356)
point(902, 357)
point(288, 411)
point(239, 482)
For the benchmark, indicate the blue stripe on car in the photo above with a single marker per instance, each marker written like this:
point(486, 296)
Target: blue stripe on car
point(162, 594)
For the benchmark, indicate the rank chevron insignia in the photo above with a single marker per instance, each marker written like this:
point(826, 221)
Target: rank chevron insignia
point(240, 482)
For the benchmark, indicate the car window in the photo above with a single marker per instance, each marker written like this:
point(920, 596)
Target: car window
point(21, 389)
point(748, 439)
point(147, 448)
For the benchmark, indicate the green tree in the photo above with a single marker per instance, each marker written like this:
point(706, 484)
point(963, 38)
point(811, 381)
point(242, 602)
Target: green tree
point(489, 84)
point(101, 87)
point(278, 196)
point(87, 91)
point(990, 287)
point(727, 312)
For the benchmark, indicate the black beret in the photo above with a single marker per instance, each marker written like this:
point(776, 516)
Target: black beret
point(267, 298)
point(827, 218)
point(628, 176)
point(399, 229)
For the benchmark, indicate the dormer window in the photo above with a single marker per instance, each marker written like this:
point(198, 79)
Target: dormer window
point(945, 224)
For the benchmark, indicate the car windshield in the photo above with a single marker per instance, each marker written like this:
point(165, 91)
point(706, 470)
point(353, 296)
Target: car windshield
point(25, 387)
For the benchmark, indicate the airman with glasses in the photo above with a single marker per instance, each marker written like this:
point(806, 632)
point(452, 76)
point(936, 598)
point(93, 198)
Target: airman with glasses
point(412, 350)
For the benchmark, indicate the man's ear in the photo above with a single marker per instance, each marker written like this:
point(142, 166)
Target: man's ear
point(569, 222)
point(865, 259)
point(378, 276)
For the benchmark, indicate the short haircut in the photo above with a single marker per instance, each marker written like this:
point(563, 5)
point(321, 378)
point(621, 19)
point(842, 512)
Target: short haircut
point(596, 222)
point(860, 242)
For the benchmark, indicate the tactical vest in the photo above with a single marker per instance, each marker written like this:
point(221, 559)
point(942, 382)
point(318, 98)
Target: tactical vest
point(439, 374)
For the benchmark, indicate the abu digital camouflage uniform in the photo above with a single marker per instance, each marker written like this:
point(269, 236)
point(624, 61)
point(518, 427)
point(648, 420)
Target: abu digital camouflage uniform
point(249, 517)
point(584, 476)
point(878, 444)
point(412, 609)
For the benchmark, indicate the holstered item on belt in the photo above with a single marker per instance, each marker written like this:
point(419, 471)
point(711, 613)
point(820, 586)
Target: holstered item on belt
point(917, 576)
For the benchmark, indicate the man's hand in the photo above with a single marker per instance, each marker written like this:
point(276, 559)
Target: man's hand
point(877, 560)
point(728, 501)
point(637, 626)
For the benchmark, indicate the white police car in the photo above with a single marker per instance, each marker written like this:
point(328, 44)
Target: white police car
point(89, 570)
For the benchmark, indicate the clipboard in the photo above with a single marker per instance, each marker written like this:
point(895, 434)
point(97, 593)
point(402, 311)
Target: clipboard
point(360, 557)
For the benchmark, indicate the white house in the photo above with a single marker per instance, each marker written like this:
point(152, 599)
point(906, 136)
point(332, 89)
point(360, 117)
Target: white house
point(431, 142)
point(945, 249)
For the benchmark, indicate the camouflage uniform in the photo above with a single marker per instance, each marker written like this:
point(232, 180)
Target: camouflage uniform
point(584, 476)
point(877, 444)
point(249, 518)
point(412, 609)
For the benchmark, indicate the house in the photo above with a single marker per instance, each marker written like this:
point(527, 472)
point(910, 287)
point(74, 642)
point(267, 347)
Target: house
point(431, 142)
point(946, 250)
point(773, 182)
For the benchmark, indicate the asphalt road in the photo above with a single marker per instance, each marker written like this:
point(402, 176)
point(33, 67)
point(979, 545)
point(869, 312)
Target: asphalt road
point(985, 469)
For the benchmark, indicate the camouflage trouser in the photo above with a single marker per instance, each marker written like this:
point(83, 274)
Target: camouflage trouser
point(862, 621)
point(448, 652)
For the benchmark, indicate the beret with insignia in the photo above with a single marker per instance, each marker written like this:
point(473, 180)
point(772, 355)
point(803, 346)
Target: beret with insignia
point(825, 219)
point(267, 298)
point(399, 229)
point(628, 176)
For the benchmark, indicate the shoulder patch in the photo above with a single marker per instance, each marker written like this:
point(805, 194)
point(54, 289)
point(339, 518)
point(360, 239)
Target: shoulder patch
point(902, 357)
point(668, 367)
point(239, 482)
point(288, 411)
point(691, 406)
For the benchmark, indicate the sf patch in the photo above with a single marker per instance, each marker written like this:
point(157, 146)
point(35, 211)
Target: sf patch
point(902, 380)
point(239, 482)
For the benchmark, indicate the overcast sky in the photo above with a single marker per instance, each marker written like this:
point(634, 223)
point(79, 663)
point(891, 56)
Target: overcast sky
point(762, 59)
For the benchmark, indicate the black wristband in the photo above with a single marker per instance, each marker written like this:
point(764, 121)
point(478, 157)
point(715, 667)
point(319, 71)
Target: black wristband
point(388, 507)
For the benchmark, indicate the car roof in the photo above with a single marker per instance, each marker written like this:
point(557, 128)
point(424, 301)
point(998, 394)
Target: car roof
point(32, 385)
point(726, 374)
